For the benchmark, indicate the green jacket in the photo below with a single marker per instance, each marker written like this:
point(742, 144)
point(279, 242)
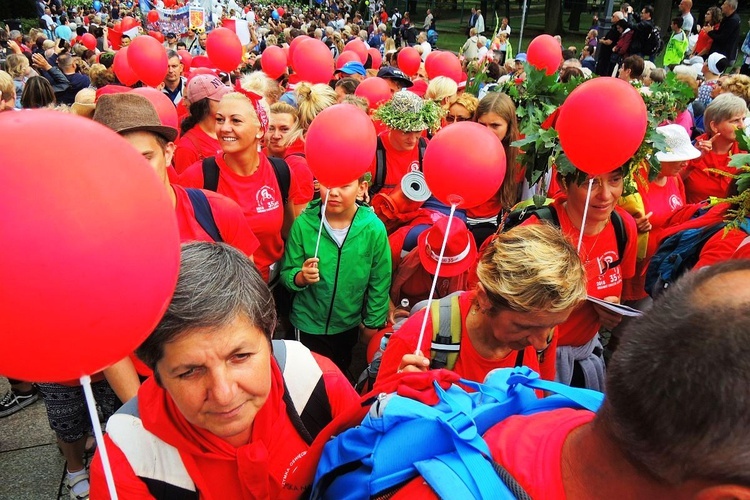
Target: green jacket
point(354, 279)
point(675, 51)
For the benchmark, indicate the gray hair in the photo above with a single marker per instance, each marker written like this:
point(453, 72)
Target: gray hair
point(216, 284)
point(732, 3)
point(677, 400)
point(722, 108)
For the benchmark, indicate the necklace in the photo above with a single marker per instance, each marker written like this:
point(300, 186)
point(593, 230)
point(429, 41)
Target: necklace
point(584, 247)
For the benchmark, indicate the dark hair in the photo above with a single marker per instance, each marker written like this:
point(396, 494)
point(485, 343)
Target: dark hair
point(570, 72)
point(198, 111)
point(37, 93)
point(649, 10)
point(182, 45)
point(635, 64)
point(493, 70)
point(217, 283)
point(622, 23)
point(676, 402)
point(172, 53)
point(568, 54)
point(678, 21)
point(348, 83)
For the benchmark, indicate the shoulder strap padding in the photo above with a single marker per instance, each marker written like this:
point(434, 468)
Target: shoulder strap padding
point(446, 332)
point(210, 173)
point(203, 213)
point(283, 177)
point(380, 167)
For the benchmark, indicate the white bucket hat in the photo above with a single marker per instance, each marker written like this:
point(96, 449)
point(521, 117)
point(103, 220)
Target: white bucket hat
point(679, 147)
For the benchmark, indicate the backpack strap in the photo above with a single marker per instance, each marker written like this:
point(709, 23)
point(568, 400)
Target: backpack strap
point(210, 174)
point(305, 394)
point(283, 176)
point(510, 482)
point(380, 168)
point(517, 217)
point(620, 235)
point(203, 213)
point(422, 149)
point(446, 332)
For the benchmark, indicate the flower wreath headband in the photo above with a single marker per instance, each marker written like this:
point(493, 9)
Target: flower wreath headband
point(255, 100)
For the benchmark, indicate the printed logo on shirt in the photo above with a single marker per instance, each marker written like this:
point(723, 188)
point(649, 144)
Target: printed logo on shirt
point(414, 167)
point(607, 277)
point(675, 202)
point(266, 200)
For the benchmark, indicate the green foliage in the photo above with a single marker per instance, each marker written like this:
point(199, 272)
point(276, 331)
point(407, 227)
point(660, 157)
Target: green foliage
point(740, 203)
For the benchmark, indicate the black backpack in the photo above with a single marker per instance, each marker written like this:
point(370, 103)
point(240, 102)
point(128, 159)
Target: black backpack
point(280, 168)
point(654, 43)
point(547, 213)
point(378, 182)
point(203, 213)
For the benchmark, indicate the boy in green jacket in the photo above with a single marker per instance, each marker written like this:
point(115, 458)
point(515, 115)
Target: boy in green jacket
point(348, 283)
point(677, 45)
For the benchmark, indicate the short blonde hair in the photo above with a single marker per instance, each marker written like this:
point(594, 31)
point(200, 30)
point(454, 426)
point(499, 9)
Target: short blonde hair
point(441, 87)
point(7, 87)
point(258, 82)
point(312, 99)
point(738, 85)
point(466, 100)
point(282, 108)
point(16, 65)
point(532, 268)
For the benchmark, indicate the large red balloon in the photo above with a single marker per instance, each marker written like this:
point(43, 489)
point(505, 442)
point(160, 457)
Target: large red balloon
point(358, 47)
point(89, 41)
point(186, 58)
point(202, 62)
point(626, 116)
point(377, 59)
point(544, 53)
point(345, 57)
point(466, 176)
point(273, 61)
point(443, 64)
point(157, 35)
point(340, 154)
point(128, 23)
point(90, 254)
point(313, 62)
point(224, 48)
point(148, 58)
point(152, 16)
point(375, 90)
point(122, 68)
point(164, 107)
point(409, 61)
point(293, 46)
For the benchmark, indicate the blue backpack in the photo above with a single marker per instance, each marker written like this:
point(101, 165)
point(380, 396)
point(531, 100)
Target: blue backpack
point(401, 438)
point(679, 253)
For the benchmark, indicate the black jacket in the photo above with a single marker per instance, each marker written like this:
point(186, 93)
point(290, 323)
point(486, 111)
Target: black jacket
point(726, 37)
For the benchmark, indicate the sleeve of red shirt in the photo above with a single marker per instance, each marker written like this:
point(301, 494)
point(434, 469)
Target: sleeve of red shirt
point(341, 394)
point(631, 248)
point(720, 247)
point(404, 341)
point(305, 189)
point(127, 483)
point(185, 155)
point(192, 177)
point(232, 223)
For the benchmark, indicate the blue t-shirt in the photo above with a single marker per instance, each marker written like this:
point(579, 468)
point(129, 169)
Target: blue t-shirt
point(64, 32)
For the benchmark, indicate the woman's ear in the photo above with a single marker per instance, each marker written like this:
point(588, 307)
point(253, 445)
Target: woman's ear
point(482, 299)
point(712, 127)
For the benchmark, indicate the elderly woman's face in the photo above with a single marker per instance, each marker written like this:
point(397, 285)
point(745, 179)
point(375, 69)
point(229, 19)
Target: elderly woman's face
point(728, 128)
point(219, 378)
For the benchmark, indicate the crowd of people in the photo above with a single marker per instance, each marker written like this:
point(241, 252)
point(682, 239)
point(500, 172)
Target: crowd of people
point(214, 408)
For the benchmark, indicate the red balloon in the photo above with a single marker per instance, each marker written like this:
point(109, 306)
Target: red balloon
point(377, 59)
point(313, 62)
point(128, 23)
point(89, 41)
point(345, 57)
point(409, 61)
point(293, 45)
point(339, 154)
point(375, 90)
point(163, 105)
point(169, 3)
point(467, 176)
point(75, 298)
point(186, 58)
point(157, 36)
point(122, 68)
point(544, 53)
point(153, 16)
point(202, 62)
point(443, 64)
point(273, 61)
point(224, 48)
point(358, 47)
point(280, 11)
point(148, 58)
point(626, 114)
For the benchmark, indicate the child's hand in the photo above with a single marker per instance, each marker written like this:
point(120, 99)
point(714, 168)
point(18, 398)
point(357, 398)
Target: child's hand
point(309, 273)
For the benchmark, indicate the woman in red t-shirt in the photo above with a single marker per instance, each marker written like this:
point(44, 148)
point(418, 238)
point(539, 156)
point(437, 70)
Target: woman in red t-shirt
point(247, 177)
point(530, 280)
point(722, 118)
point(703, 45)
point(497, 112)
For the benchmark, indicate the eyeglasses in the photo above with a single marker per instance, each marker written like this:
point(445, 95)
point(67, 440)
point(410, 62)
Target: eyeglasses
point(452, 118)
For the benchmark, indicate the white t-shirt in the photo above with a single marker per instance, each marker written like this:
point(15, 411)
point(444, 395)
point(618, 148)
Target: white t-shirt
point(338, 235)
point(426, 49)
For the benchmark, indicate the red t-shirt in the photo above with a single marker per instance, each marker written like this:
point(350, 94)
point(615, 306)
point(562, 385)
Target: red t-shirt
point(259, 197)
point(596, 252)
point(192, 147)
point(397, 163)
point(700, 183)
point(469, 364)
point(530, 449)
point(662, 202)
point(295, 158)
point(722, 247)
point(227, 215)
